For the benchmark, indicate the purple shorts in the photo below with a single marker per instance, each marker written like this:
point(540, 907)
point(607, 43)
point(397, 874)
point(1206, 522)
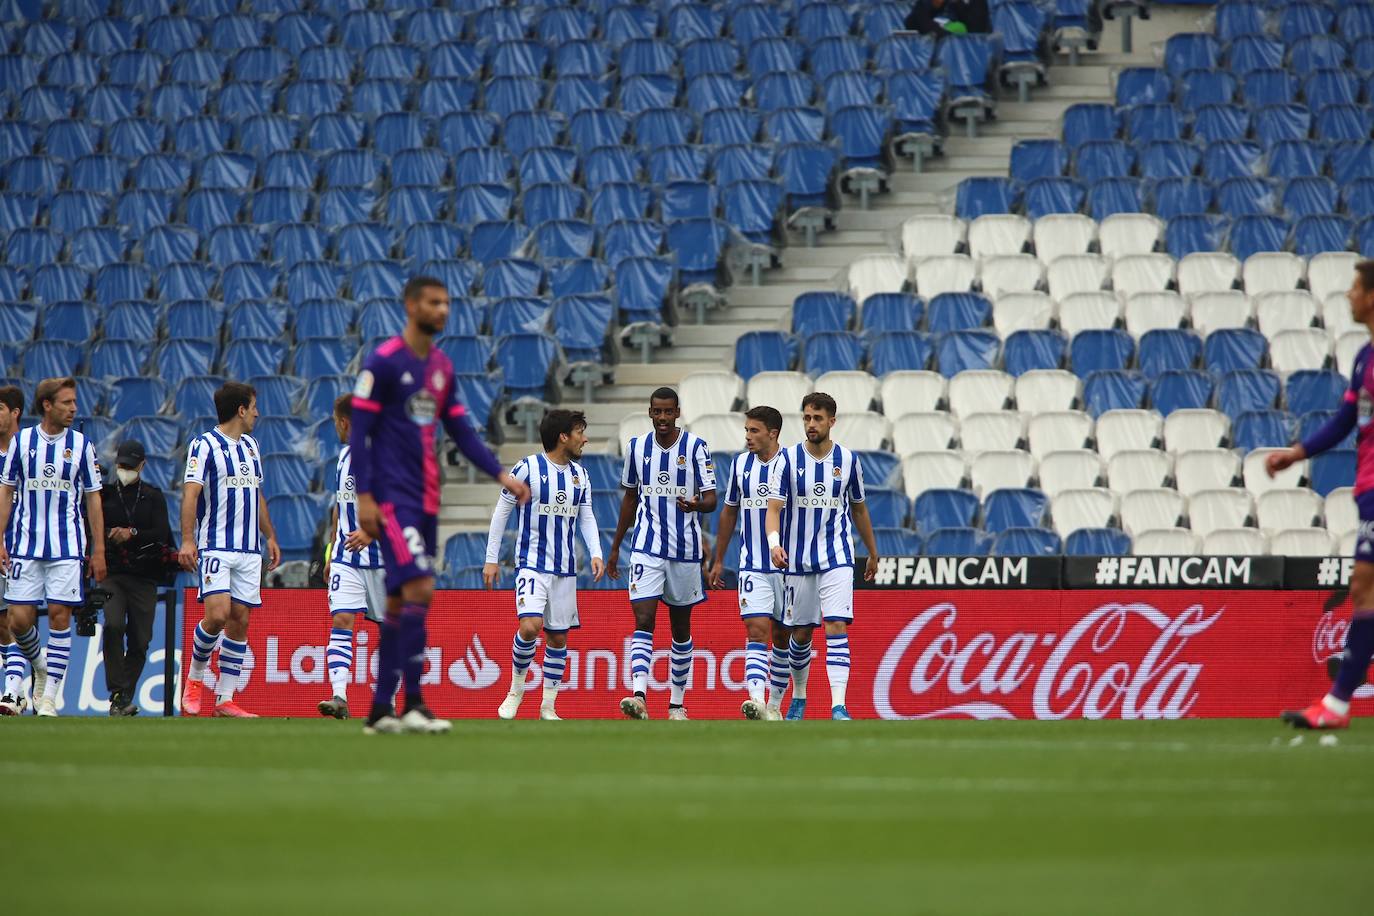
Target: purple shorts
point(1364, 538)
point(408, 544)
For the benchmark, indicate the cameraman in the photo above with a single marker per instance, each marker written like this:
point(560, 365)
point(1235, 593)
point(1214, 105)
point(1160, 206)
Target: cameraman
point(137, 532)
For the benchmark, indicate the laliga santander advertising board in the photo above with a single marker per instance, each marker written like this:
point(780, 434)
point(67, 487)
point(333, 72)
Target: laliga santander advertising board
point(916, 654)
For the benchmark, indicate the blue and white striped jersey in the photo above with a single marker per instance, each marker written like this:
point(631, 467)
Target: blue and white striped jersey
point(346, 502)
point(51, 476)
point(662, 475)
point(231, 474)
point(751, 483)
point(8, 546)
point(560, 505)
point(816, 533)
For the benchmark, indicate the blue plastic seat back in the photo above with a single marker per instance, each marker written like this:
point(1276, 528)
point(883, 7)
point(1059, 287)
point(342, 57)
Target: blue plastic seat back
point(900, 350)
point(1262, 429)
point(883, 312)
point(1022, 542)
point(946, 542)
point(1231, 349)
point(882, 469)
point(822, 311)
point(1332, 469)
point(959, 351)
point(958, 312)
point(75, 322)
point(278, 395)
point(1307, 390)
point(1245, 390)
point(1113, 390)
point(1187, 233)
point(1014, 507)
point(110, 358)
point(1163, 350)
point(941, 508)
point(1033, 350)
point(1253, 234)
point(1097, 542)
point(829, 351)
point(1045, 196)
point(980, 196)
point(1032, 159)
point(762, 351)
point(1096, 350)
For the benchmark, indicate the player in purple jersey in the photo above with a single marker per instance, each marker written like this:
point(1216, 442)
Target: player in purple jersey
point(404, 390)
point(1356, 410)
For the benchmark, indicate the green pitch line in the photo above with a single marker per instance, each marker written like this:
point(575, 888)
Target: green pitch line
point(277, 816)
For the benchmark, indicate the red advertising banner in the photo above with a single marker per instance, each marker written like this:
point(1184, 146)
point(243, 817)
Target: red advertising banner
point(915, 655)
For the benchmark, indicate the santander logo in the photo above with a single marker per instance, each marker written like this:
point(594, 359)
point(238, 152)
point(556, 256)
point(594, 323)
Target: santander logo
point(1088, 670)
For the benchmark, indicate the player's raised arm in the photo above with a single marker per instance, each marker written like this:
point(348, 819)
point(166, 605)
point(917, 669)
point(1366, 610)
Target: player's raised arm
point(505, 502)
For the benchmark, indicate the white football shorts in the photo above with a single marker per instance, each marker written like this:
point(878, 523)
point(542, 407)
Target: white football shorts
point(53, 581)
point(357, 590)
point(815, 597)
point(541, 594)
point(761, 595)
point(232, 571)
point(676, 582)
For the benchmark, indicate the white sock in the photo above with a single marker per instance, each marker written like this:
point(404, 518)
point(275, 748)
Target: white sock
point(1337, 705)
point(641, 654)
point(801, 668)
point(837, 666)
point(202, 646)
point(59, 653)
point(339, 657)
point(679, 670)
point(550, 695)
point(756, 669)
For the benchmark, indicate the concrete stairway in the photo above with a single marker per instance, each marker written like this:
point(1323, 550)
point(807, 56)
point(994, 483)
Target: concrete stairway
point(859, 232)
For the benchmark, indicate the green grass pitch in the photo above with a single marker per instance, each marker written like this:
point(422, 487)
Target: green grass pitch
point(996, 818)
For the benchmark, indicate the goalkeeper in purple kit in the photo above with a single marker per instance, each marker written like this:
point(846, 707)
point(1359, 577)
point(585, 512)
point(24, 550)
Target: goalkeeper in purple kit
point(404, 390)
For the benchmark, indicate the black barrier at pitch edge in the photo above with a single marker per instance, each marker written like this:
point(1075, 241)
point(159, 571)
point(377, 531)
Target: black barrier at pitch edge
point(1262, 572)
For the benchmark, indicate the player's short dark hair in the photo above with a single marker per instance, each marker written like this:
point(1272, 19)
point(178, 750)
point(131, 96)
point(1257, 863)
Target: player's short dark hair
point(230, 397)
point(12, 397)
point(768, 416)
point(556, 423)
point(820, 401)
point(417, 285)
point(1366, 271)
point(47, 391)
point(343, 406)
point(664, 394)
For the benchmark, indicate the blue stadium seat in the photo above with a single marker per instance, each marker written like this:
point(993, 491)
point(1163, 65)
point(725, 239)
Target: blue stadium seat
point(278, 395)
point(1188, 233)
point(51, 358)
point(822, 311)
point(60, 283)
point(1314, 420)
point(1169, 159)
point(887, 508)
point(258, 318)
point(1231, 349)
point(1087, 121)
point(831, 351)
point(1096, 350)
point(884, 312)
point(285, 473)
point(295, 517)
point(1045, 196)
point(73, 321)
point(1252, 234)
point(1313, 389)
point(1245, 390)
point(880, 469)
point(958, 351)
point(1021, 542)
point(979, 196)
point(643, 285)
point(940, 508)
point(110, 358)
point(1032, 159)
point(1151, 123)
point(763, 351)
point(945, 542)
point(1113, 390)
point(899, 350)
point(1032, 350)
point(518, 314)
point(1180, 389)
point(958, 312)
point(249, 356)
point(1262, 429)
point(1310, 197)
point(18, 320)
point(1097, 542)
point(1191, 51)
point(1246, 197)
point(1014, 507)
point(1115, 195)
point(1166, 350)
point(1332, 469)
point(282, 434)
point(527, 362)
point(1313, 235)
point(894, 542)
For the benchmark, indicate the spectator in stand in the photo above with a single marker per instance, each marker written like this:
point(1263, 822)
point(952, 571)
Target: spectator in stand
point(957, 17)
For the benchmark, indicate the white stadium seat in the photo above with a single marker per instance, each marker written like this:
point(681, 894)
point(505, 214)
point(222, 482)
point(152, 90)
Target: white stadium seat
point(1340, 511)
point(1299, 348)
point(1092, 311)
point(632, 426)
point(1023, 311)
point(1058, 234)
point(1331, 272)
point(1295, 508)
point(1056, 430)
point(1166, 542)
point(1347, 547)
point(1209, 510)
point(1192, 428)
point(1272, 270)
point(923, 236)
point(1206, 469)
point(1070, 469)
point(911, 390)
point(1336, 315)
point(1129, 233)
point(997, 470)
point(722, 431)
point(853, 390)
point(1235, 542)
point(1302, 542)
point(998, 234)
point(1077, 273)
point(991, 432)
point(780, 390)
point(923, 432)
point(1139, 469)
point(940, 470)
point(1119, 430)
point(1012, 273)
point(1147, 312)
point(1257, 479)
point(792, 429)
point(1090, 508)
point(712, 391)
point(1347, 348)
point(862, 431)
point(1207, 272)
point(1040, 390)
point(979, 391)
point(1142, 273)
point(1215, 311)
point(1142, 510)
point(948, 273)
point(1281, 311)
point(876, 273)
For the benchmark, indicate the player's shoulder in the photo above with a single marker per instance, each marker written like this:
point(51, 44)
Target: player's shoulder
point(251, 445)
point(345, 453)
point(695, 442)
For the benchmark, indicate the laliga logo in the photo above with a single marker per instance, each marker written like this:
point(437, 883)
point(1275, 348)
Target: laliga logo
point(1159, 685)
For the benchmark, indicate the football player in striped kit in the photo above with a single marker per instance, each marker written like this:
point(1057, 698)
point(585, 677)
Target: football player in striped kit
point(668, 481)
point(353, 572)
point(752, 480)
point(822, 488)
point(54, 470)
point(559, 509)
point(224, 522)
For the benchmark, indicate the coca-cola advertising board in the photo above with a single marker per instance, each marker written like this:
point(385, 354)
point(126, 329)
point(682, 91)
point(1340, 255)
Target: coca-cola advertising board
point(1041, 654)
